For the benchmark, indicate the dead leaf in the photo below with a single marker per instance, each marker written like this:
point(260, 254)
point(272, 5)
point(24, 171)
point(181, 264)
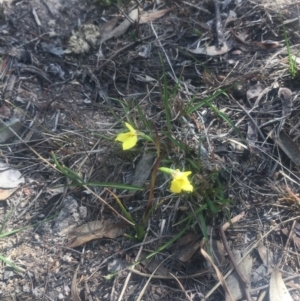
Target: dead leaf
point(254, 91)
point(5, 132)
point(9, 178)
point(95, 230)
point(259, 274)
point(233, 282)
point(186, 253)
point(218, 251)
point(51, 48)
point(285, 95)
point(122, 28)
point(143, 170)
point(212, 50)
point(293, 285)
point(4, 111)
point(288, 146)
point(108, 26)
point(134, 16)
point(278, 291)
point(267, 44)
point(144, 78)
point(74, 290)
point(152, 16)
point(6, 193)
point(187, 245)
point(285, 231)
point(252, 133)
point(153, 265)
point(265, 255)
point(186, 240)
point(239, 39)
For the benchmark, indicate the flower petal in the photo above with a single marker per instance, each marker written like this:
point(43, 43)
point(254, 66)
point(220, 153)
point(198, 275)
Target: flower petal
point(187, 186)
point(130, 128)
point(181, 181)
point(130, 142)
point(123, 137)
point(175, 187)
point(186, 173)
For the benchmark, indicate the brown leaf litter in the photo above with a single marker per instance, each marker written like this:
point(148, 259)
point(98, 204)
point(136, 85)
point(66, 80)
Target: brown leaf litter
point(95, 230)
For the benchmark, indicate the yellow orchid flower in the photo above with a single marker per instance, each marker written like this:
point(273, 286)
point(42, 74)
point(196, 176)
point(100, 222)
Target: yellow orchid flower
point(128, 139)
point(180, 180)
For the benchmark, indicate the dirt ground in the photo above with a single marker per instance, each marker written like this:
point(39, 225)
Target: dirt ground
point(72, 72)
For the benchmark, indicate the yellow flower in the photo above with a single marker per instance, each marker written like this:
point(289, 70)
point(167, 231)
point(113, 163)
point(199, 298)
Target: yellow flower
point(180, 180)
point(128, 139)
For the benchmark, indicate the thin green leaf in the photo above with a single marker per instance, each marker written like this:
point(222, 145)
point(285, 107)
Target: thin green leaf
point(11, 264)
point(211, 205)
point(6, 218)
point(108, 185)
point(225, 118)
point(125, 212)
point(177, 143)
point(205, 101)
point(193, 214)
point(196, 165)
point(171, 241)
point(114, 185)
point(2, 235)
point(144, 120)
point(166, 96)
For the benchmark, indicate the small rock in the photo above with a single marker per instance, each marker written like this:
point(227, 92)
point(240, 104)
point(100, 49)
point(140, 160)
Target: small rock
point(60, 296)
point(68, 218)
point(7, 275)
point(26, 288)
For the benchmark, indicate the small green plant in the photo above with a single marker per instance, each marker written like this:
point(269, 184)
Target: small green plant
point(203, 190)
point(134, 35)
point(292, 62)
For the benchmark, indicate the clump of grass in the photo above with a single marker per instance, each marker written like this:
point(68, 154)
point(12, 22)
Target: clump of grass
point(292, 62)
